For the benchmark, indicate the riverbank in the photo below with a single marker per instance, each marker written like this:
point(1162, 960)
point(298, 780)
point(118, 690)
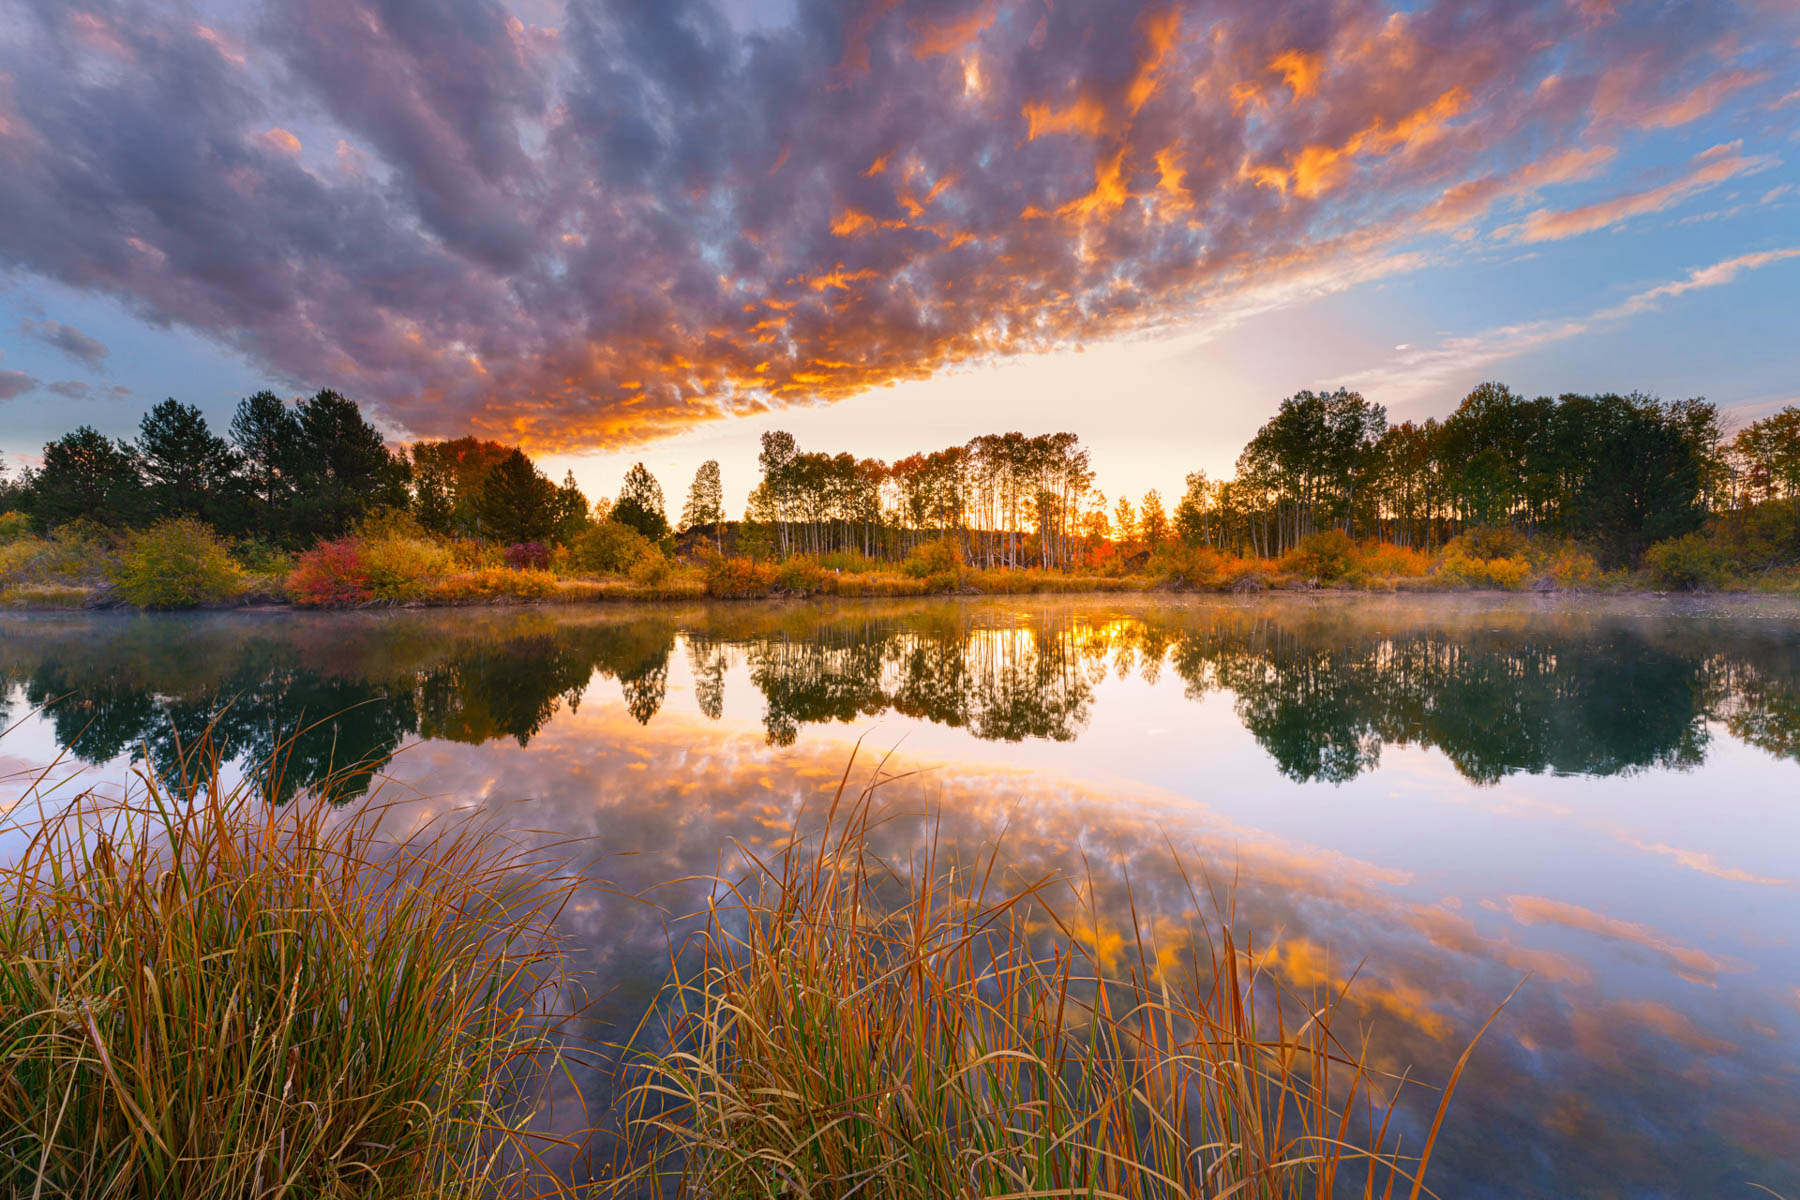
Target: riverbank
point(182, 564)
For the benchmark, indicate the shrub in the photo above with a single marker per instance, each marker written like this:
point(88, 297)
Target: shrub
point(652, 569)
point(330, 575)
point(609, 548)
point(471, 555)
point(401, 569)
point(1692, 562)
point(800, 577)
point(938, 557)
point(495, 583)
point(1571, 567)
point(1464, 570)
point(848, 562)
point(76, 555)
point(735, 578)
point(528, 556)
point(178, 563)
point(1324, 556)
point(13, 526)
point(1385, 561)
point(1490, 541)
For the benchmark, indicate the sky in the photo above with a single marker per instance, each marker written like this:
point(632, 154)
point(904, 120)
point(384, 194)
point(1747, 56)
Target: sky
point(654, 229)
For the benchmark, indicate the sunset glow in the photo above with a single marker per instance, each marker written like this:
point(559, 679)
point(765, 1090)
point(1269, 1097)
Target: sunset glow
point(587, 227)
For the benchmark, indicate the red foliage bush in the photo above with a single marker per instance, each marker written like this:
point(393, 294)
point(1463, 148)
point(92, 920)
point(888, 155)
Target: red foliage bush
point(331, 575)
point(528, 556)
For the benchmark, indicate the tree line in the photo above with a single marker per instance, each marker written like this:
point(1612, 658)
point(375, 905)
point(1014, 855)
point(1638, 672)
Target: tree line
point(1616, 472)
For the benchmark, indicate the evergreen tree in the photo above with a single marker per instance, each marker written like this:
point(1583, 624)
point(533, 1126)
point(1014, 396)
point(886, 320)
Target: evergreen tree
point(267, 435)
point(706, 500)
point(516, 503)
point(344, 470)
point(572, 514)
point(87, 476)
point(640, 504)
point(189, 471)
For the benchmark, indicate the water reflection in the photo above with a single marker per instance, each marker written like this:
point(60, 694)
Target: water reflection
point(1449, 793)
point(1633, 1064)
point(1323, 689)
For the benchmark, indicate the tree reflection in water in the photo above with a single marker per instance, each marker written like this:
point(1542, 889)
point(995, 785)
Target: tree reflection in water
point(1322, 687)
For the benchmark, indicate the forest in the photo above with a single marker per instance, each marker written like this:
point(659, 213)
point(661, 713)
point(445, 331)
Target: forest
point(311, 499)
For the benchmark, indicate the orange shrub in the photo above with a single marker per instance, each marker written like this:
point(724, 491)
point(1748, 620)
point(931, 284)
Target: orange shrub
point(733, 578)
point(495, 583)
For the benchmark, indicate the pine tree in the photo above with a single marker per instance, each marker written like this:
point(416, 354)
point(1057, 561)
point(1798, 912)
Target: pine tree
point(640, 504)
point(706, 501)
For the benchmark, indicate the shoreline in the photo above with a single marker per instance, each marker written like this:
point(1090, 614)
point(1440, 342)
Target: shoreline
point(575, 594)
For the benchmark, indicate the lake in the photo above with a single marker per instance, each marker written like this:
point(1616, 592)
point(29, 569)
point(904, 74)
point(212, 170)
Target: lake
point(1443, 794)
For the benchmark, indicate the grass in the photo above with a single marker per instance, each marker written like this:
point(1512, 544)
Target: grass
point(855, 1030)
point(205, 996)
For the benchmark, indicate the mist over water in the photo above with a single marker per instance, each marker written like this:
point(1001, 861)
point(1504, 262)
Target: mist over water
point(1440, 794)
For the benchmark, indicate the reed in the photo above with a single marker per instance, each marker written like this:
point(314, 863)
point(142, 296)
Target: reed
point(202, 995)
point(854, 1029)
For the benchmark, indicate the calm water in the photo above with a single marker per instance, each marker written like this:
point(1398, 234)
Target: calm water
point(1452, 792)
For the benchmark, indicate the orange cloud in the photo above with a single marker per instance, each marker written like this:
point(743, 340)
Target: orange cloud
point(1299, 71)
point(1688, 962)
point(1711, 168)
point(1317, 169)
point(1085, 115)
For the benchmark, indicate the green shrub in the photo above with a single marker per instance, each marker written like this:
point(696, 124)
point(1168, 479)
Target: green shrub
point(609, 548)
point(13, 526)
point(1693, 562)
point(938, 557)
point(178, 563)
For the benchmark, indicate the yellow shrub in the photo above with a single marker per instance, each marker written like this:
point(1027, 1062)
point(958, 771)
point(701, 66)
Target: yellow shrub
point(399, 569)
point(1507, 574)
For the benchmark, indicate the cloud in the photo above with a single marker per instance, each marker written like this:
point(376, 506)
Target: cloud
point(1419, 371)
point(69, 389)
point(1687, 961)
point(15, 383)
point(71, 341)
point(1709, 168)
point(650, 215)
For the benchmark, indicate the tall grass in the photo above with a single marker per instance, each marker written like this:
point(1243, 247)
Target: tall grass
point(855, 1030)
point(205, 996)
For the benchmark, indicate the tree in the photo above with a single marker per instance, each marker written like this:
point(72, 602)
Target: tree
point(1191, 511)
point(516, 503)
point(342, 469)
point(189, 471)
point(706, 501)
point(640, 503)
point(267, 435)
point(1152, 522)
point(87, 476)
point(447, 478)
point(571, 513)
